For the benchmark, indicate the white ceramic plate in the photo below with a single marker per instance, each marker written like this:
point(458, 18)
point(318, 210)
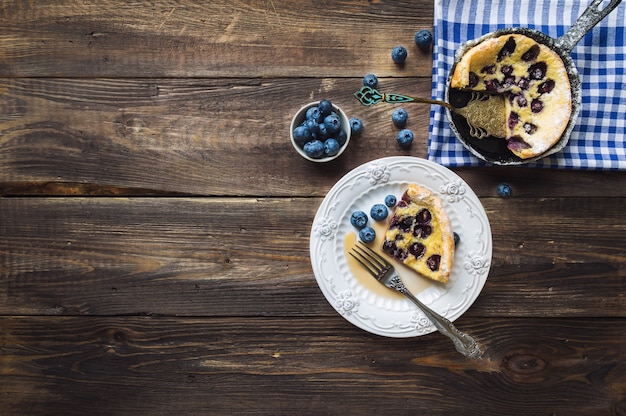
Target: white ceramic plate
point(377, 309)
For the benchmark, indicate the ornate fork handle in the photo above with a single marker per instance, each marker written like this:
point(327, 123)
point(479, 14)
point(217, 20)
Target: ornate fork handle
point(463, 343)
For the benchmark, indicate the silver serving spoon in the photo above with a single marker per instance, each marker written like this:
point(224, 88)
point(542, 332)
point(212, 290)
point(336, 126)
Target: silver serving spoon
point(485, 113)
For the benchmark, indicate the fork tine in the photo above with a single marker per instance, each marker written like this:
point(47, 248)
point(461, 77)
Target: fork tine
point(372, 263)
point(361, 256)
point(363, 262)
point(380, 268)
point(380, 259)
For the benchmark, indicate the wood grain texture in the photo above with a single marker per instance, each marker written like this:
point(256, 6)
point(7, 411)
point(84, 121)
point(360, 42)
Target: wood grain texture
point(264, 366)
point(155, 222)
point(179, 136)
point(250, 257)
point(114, 38)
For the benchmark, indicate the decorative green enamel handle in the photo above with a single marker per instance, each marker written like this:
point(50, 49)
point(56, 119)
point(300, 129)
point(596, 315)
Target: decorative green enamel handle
point(369, 96)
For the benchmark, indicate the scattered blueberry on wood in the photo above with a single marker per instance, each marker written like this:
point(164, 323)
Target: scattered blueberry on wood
point(356, 125)
point(504, 190)
point(370, 80)
point(399, 54)
point(424, 39)
point(399, 117)
point(405, 138)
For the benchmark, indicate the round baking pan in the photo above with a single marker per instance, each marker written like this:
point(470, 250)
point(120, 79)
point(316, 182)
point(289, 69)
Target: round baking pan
point(494, 149)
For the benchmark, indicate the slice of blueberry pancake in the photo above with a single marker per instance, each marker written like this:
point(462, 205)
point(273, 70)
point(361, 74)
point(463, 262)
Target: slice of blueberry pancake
point(535, 82)
point(419, 234)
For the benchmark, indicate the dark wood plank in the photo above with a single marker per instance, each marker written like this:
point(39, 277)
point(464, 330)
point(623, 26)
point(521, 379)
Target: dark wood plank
point(155, 221)
point(264, 366)
point(528, 182)
point(179, 135)
point(250, 257)
point(550, 254)
point(239, 38)
point(213, 137)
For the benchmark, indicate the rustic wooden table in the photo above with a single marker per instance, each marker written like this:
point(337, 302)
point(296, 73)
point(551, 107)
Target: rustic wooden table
point(155, 222)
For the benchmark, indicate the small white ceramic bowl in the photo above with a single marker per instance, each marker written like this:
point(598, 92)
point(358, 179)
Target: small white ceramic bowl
point(301, 116)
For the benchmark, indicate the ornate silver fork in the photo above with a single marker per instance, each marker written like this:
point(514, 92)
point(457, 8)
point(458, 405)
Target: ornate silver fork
point(385, 273)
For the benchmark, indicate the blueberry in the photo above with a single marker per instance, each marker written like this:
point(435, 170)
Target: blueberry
point(370, 80)
point(504, 190)
point(546, 87)
point(358, 219)
point(379, 212)
point(367, 234)
point(433, 262)
point(537, 71)
point(301, 135)
point(332, 123)
point(530, 128)
point(331, 147)
point(531, 54)
point(423, 39)
point(341, 137)
point(399, 54)
point(325, 107)
point(314, 113)
point(405, 138)
point(457, 239)
point(399, 117)
point(513, 120)
point(507, 49)
point(311, 125)
point(417, 249)
point(356, 125)
point(322, 132)
point(390, 201)
point(314, 149)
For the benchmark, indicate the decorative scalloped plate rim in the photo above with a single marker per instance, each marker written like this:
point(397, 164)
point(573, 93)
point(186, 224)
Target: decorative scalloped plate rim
point(368, 184)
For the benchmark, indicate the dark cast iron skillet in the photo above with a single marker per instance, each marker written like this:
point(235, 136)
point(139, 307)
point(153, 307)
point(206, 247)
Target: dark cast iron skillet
point(493, 149)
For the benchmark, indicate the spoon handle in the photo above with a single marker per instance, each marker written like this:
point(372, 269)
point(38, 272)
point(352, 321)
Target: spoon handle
point(370, 96)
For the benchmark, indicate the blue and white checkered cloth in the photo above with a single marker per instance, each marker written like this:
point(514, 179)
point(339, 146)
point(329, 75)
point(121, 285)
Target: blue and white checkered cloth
point(598, 140)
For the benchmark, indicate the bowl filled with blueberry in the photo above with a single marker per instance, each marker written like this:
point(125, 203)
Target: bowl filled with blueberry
point(320, 131)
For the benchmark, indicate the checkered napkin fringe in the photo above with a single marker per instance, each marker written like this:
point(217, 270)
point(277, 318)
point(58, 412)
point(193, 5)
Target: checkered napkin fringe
point(598, 140)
